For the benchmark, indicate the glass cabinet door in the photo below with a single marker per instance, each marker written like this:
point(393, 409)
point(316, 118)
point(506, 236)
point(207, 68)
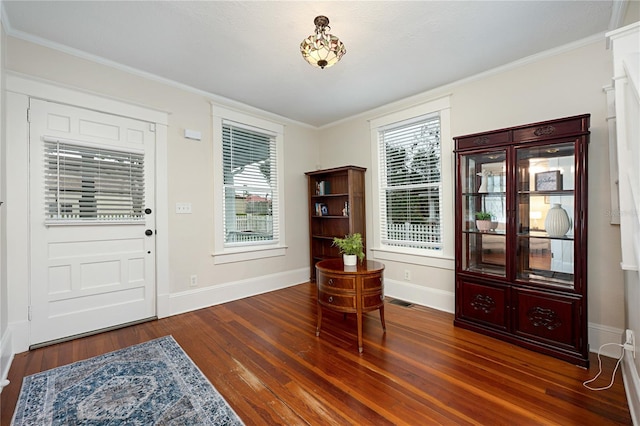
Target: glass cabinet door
point(483, 193)
point(545, 214)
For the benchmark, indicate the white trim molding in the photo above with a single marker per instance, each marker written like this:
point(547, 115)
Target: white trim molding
point(6, 357)
point(222, 254)
point(441, 300)
point(19, 89)
point(192, 300)
point(631, 386)
point(602, 334)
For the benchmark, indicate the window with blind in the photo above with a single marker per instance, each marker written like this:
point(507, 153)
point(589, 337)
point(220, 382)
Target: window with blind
point(92, 184)
point(250, 185)
point(410, 174)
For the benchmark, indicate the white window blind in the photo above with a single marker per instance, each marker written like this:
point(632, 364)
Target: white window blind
point(410, 183)
point(84, 183)
point(250, 185)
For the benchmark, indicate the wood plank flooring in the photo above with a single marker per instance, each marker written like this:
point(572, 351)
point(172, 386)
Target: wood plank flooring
point(262, 355)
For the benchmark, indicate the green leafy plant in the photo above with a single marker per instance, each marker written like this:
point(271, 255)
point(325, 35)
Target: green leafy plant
point(350, 244)
point(483, 216)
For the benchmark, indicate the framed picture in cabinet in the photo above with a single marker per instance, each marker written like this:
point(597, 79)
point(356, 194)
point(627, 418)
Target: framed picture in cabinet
point(549, 181)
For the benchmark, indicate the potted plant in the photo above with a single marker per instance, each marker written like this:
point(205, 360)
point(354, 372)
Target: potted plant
point(351, 247)
point(483, 221)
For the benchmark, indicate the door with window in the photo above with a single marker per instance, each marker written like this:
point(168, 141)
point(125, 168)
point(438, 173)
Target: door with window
point(92, 221)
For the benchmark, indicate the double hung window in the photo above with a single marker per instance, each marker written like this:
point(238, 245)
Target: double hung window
point(250, 185)
point(248, 159)
point(413, 182)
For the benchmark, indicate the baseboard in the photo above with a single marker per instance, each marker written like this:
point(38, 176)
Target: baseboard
point(6, 357)
point(433, 298)
point(191, 300)
point(19, 333)
point(600, 334)
point(631, 386)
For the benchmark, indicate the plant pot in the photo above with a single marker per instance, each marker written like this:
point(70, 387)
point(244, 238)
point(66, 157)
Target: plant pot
point(483, 225)
point(350, 259)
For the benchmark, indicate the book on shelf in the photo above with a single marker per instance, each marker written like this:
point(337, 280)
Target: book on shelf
point(322, 187)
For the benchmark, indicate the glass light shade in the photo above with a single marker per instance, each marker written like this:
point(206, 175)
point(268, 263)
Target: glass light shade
point(322, 49)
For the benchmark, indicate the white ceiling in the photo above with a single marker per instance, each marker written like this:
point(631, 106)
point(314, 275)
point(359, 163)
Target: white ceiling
point(248, 51)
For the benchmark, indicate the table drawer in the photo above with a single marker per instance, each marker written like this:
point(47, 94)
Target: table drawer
point(372, 301)
point(336, 301)
point(334, 281)
point(371, 283)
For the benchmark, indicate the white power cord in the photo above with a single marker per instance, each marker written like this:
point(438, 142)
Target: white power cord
point(613, 375)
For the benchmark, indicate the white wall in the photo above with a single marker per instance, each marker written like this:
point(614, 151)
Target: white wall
point(190, 179)
point(567, 83)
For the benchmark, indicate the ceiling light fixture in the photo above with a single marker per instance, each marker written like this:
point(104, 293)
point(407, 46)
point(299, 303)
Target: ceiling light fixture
point(322, 49)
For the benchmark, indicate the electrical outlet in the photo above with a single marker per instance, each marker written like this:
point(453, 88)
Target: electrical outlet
point(407, 275)
point(630, 342)
point(194, 281)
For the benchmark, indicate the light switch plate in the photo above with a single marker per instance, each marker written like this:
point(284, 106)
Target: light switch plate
point(183, 208)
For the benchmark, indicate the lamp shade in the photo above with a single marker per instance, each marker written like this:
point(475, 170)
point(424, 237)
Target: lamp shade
point(322, 49)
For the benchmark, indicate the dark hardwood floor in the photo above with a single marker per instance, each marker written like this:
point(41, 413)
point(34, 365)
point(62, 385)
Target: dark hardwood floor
point(262, 355)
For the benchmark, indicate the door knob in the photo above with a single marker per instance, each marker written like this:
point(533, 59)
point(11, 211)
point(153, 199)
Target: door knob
point(148, 232)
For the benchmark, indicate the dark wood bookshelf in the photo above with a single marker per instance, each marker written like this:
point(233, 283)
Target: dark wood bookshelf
point(341, 191)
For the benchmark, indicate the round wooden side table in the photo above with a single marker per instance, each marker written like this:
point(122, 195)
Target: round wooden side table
point(350, 289)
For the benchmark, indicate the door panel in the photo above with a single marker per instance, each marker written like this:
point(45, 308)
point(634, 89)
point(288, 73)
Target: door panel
point(88, 274)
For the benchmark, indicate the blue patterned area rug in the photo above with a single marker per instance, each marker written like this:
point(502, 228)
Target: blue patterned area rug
point(153, 383)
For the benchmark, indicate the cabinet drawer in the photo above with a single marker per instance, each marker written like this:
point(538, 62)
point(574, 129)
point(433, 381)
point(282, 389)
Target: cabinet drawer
point(336, 301)
point(371, 283)
point(347, 283)
point(483, 303)
point(547, 317)
point(481, 141)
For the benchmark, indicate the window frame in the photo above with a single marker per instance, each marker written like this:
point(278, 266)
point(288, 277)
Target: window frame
point(439, 258)
point(261, 249)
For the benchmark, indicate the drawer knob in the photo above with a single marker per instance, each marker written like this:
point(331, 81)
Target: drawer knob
point(330, 299)
point(382, 297)
point(330, 280)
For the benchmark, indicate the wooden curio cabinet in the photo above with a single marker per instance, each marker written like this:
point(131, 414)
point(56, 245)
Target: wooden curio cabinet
point(524, 279)
point(336, 208)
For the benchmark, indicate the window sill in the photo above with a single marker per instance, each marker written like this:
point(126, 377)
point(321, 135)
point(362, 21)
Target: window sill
point(244, 254)
point(435, 261)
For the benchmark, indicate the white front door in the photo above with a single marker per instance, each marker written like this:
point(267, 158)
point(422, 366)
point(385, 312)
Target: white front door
point(92, 227)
